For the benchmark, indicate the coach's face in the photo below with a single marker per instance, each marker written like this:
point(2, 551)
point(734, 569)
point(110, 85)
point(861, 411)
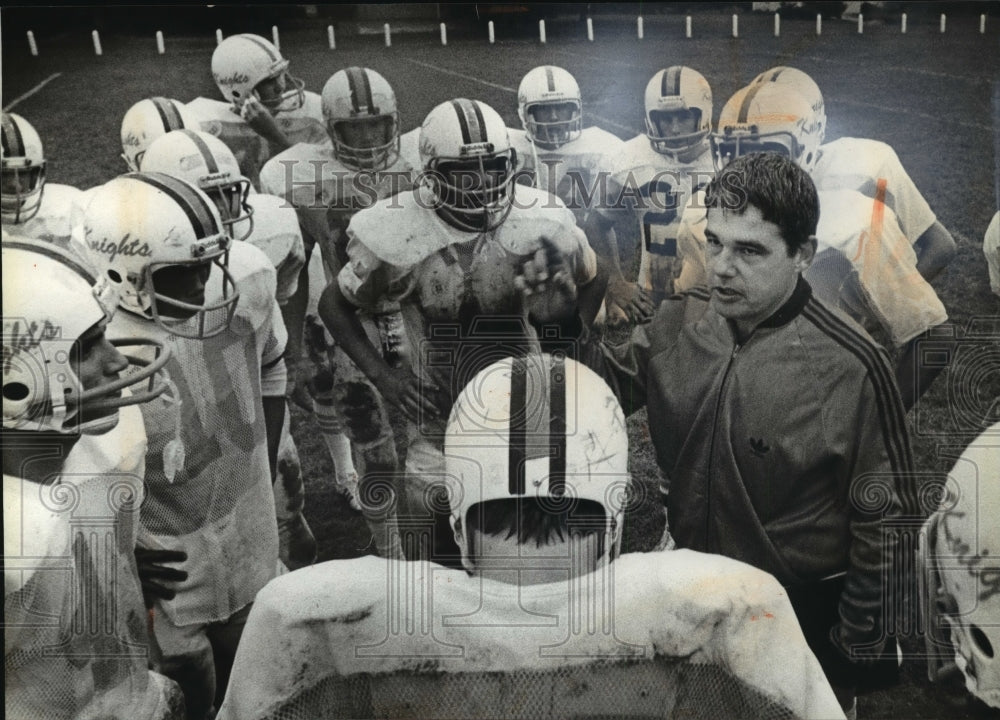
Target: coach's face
point(750, 271)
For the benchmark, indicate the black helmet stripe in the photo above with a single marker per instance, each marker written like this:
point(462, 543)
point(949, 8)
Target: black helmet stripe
point(206, 153)
point(190, 200)
point(550, 78)
point(516, 445)
point(361, 90)
point(747, 99)
point(470, 120)
point(557, 427)
point(670, 85)
point(13, 143)
point(263, 46)
point(170, 116)
point(53, 251)
point(774, 77)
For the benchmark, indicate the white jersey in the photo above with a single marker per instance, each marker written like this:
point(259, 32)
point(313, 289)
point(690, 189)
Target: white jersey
point(991, 248)
point(276, 232)
point(872, 168)
point(305, 125)
point(326, 194)
point(668, 634)
point(74, 621)
point(882, 289)
point(409, 148)
point(207, 476)
point(654, 188)
point(573, 171)
point(54, 220)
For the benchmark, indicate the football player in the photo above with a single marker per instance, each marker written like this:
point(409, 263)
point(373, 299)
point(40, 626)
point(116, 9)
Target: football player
point(266, 223)
point(867, 264)
point(961, 576)
point(75, 639)
point(29, 206)
point(655, 176)
point(546, 620)
point(213, 445)
point(328, 183)
point(554, 150)
point(148, 120)
point(872, 168)
point(457, 253)
point(266, 108)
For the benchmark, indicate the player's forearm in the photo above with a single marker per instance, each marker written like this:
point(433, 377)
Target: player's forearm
point(935, 250)
point(591, 295)
point(293, 313)
point(341, 319)
point(274, 418)
point(601, 235)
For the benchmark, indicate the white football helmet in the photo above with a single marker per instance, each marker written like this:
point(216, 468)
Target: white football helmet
point(767, 117)
point(960, 563)
point(468, 163)
point(241, 62)
point(544, 87)
point(804, 85)
point(678, 89)
point(539, 426)
point(149, 119)
point(207, 163)
point(140, 223)
point(41, 330)
point(23, 170)
point(360, 100)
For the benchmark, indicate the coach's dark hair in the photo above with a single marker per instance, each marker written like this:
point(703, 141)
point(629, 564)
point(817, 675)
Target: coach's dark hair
point(538, 520)
point(782, 191)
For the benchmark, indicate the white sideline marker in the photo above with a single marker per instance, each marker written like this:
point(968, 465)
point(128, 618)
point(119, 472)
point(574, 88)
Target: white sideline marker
point(541, 31)
point(687, 27)
point(330, 37)
point(777, 25)
point(861, 24)
point(160, 49)
point(493, 36)
point(444, 34)
point(982, 24)
point(218, 36)
point(819, 24)
point(903, 26)
point(736, 25)
point(590, 29)
point(638, 27)
point(388, 35)
point(943, 21)
point(31, 44)
point(274, 37)
point(97, 43)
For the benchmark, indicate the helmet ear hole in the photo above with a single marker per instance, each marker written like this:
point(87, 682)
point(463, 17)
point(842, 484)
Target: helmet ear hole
point(15, 391)
point(982, 642)
point(115, 277)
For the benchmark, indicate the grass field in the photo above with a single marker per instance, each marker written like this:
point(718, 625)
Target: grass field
point(934, 98)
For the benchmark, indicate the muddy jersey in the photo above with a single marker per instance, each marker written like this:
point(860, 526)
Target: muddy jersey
point(653, 189)
point(251, 150)
point(74, 621)
point(208, 481)
point(872, 168)
point(572, 171)
point(450, 283)
point(666, 634)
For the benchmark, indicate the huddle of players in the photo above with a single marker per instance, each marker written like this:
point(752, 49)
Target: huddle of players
point(419, 286)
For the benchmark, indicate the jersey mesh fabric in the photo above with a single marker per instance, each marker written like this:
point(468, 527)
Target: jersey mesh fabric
point(217, 502)
point(658, 688)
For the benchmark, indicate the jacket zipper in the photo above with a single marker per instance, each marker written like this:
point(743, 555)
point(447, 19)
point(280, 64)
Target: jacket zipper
point(711, 447)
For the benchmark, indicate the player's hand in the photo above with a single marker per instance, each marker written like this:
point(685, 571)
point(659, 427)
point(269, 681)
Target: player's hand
point(300, 377)
point(628, 298)
point(547, 285)
point(262, 122)
point(153, 573)
point(411, 395)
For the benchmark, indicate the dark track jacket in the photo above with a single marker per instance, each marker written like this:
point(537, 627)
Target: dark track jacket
point(784, 452)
